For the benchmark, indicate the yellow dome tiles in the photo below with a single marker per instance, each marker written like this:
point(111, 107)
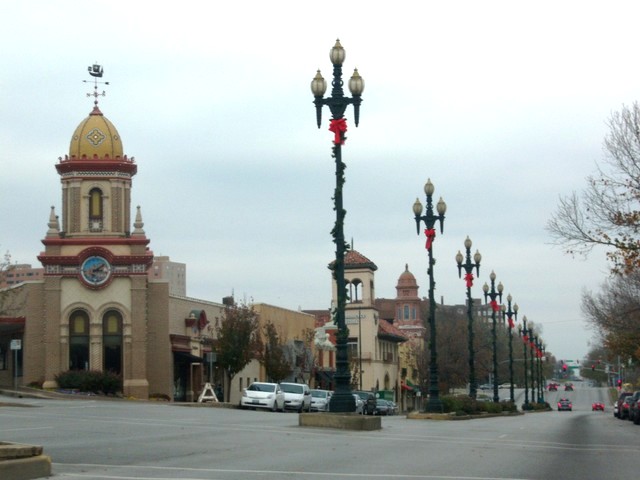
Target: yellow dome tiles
point(96, 137)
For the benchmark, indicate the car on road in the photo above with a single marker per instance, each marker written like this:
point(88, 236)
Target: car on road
point(369, 400)
point(568, 387)
point(383, 407)
point(263, 395)
point(486, 386)
point(553, 387)
point(623, 405)
point(633, 406)
point(359, 404)
point(297, 396)
point(597, 406)
point(565, 404)
point(320, 400)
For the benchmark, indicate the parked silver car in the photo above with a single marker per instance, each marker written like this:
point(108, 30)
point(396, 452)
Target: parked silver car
point(297, 396)
point(320, 400)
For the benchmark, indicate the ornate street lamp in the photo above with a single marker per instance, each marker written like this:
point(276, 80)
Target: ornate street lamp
point(468, 267)
point(429, 218)
point(511, 315)
point(492, 293)
point(540, 353)
point(342, 400)
point(524, 333)
point(532, 341)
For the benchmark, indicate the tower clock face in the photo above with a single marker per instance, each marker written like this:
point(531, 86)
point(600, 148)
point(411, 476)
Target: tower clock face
point(95, 271)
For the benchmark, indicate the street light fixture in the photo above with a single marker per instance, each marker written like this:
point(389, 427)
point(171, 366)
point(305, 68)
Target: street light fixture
point(492, 293)
point(429, 218)
point(524, 333)
point(468, 267)
point(342, 400)
point(511, 315)
point(534, 379)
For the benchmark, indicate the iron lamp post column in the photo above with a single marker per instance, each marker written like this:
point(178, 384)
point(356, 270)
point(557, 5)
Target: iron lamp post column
point(523, 332)
point(434, 403)
point(532, 337)
point(511, 316)
point(492, 293)
point(342, 400)
point(468, 267)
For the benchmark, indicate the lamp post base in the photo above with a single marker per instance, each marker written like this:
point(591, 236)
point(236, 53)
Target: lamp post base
point(342, 402)
point(434, 405)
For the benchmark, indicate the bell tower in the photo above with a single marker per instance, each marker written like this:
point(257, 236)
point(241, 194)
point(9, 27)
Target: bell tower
point(96, 290)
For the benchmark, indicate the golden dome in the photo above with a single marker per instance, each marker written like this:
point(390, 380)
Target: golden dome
point(96, 136)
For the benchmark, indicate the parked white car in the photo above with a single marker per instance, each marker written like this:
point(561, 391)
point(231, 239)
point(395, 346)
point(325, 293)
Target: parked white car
point(263, 395)
point(297, 396)
point(320, 400)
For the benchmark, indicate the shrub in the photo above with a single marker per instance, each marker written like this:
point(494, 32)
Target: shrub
point(92, 381)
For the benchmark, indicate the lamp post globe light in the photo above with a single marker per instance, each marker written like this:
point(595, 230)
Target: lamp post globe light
point(342, 400)
point(511, 316)
point(468, 267)
point(525, 340)
point(434, 403)
point(494, 293)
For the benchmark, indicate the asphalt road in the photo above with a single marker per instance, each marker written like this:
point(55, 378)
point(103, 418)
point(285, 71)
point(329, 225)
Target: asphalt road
point(117, 440)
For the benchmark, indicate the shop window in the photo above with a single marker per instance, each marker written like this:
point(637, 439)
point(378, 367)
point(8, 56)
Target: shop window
point(112, 341)
point(79, 341)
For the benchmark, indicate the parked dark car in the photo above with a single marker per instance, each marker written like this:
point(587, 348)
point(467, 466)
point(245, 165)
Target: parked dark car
point(633, 406)
point(369, 400)
point(553, 387)
point(623, 405)
point(568, 387)
point(383, 407)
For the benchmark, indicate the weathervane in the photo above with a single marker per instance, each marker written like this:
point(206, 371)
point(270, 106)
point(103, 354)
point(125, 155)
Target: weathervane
point(96, 72)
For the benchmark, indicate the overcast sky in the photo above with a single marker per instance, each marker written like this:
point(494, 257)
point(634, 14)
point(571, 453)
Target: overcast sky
point(502, 104)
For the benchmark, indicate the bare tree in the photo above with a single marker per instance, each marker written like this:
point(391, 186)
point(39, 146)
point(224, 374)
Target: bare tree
point(238, 340)
point(8, 296)
point(607, 212)
point(276, 364)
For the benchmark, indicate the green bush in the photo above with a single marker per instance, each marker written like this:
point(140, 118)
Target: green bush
point(91, 381)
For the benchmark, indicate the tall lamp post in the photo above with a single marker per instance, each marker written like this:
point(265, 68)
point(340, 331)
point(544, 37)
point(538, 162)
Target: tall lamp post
point(511, 316)
point(468, 267)
point(492, 293)
point(525, 340)
point(540, 354)
point(429, 218)
point(342, 400)
point(534, 379)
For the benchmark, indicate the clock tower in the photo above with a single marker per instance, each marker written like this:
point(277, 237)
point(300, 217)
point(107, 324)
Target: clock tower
point(96, 290)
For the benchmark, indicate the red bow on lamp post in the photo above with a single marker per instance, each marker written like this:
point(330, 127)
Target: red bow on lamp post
point(468, 278)
point(338, 126)
point(430, 233)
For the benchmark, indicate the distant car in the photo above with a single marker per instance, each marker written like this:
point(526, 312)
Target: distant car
point(486, 386)
point(359, 404)
point(263, 395)
point(553, 387)
point(383, 407)
point(568, 387)
point(369, 400)
point(393, 407)
point(597, 406)
point(297, 396)
point(564, 404)
point(320, 400)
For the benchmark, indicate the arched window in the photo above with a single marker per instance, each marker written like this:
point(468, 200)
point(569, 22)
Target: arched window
point(95, 209)
point(112, 341)
point(79, 340)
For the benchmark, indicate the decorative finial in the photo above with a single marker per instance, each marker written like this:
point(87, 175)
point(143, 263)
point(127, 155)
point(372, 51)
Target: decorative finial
point(96, 72)
point(138, 224)
point(53, 224)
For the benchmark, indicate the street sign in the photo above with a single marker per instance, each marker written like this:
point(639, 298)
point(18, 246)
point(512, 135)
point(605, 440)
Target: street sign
point(16, 344)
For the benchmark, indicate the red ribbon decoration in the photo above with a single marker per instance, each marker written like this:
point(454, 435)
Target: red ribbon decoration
point(430, 234)
point(525, 338)
point(495, 306)
point(469, 279)
point(337, 126)
point(511, 324)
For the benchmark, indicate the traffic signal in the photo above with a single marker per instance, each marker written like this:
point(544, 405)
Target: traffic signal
point(619, 382)
point(593, 368)
point(564, 367)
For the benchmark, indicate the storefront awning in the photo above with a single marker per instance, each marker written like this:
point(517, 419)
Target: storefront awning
point(186, 356)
